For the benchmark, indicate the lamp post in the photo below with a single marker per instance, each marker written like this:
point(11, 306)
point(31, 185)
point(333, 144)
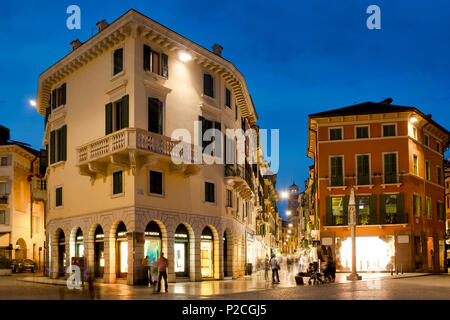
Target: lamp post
point(352, 223)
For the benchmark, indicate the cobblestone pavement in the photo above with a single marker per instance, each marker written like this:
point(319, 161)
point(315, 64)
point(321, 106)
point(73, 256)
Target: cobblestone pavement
point(373, 286)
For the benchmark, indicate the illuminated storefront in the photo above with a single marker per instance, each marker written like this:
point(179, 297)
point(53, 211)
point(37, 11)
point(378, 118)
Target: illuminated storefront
point(99, 252)
point(61, 253)
point(152, 245)
point(122, 251)
point(206, 253)
point(181, 251)
point(79, 245)
point(372, 253)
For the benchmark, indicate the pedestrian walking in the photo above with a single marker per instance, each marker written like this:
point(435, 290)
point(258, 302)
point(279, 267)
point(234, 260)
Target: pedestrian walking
point(162, 263)
point(154, 273)
point(275, 264)
point(146, 265)
point(266, 267)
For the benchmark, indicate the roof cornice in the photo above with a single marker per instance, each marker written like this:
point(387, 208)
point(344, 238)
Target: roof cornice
point(136, 24)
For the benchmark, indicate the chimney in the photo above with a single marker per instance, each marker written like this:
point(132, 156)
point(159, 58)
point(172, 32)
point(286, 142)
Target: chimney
point(76, 44)
point(4, 134)
point(387, 101)
point(429, 115)
point(101, 25)
point(217, 49)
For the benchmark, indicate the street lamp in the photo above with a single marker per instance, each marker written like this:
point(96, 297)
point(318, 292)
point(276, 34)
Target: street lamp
point(352, 223)
point(288, 212)
point(284, 194)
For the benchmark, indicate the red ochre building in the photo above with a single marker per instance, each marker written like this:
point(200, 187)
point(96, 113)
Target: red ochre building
point(393, 158)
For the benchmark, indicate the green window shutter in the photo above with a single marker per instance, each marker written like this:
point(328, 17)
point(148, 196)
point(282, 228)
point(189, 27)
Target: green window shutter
point(329, 212)
point(201, 121)
point(63, 143)
point(165, 66)
point(382, 208)
point(218, 140)
point(160, 117)
point(346, 200)
point(124, 112)
point(63, 94)
point(373, 209)
point(108, 118)
point(52, 147)
point(147, 54)
point(54, 99)
point(7, 216)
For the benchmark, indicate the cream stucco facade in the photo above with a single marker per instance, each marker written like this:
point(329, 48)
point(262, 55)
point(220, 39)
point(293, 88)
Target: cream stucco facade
point(89, 209)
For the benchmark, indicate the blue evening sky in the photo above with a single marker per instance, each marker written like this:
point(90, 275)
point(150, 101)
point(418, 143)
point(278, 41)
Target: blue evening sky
point(298, 57)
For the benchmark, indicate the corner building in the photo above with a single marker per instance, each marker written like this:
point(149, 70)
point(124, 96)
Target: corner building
point(114, 195)
point(393, 158)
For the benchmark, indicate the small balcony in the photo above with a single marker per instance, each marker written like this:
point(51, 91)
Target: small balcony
point(235, 175)
point(39, 189)
point(133, 149)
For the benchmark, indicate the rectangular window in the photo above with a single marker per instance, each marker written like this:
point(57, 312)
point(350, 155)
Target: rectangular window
point(337, 178)
point(414, 132)
point(336, 134)
point(58, 197)
point(440, 211)
point(116, 115)
point(389, 130)
point(448, 202)
point(156, 182)
point(337, 206)
point(362, 132)
point(209, 192)
point(58, 145)
point(416, 165)
point(390, 168)
point(156, 62)
point(2, 217)
point(117, 182)
point(229, 198)
point(228, 98)
point(236, 116)
point(439, 175)
point(392, 208)
point(417, 205)
point(427, 170)
point(58, 96)
point(363, 209)
point(118, 61)
point(363, 169)
point(3, 161)
point(429, 216)
point(438, 147)
point(2, 188)
point(426, 140)
point(155, 116)
point(208, 85)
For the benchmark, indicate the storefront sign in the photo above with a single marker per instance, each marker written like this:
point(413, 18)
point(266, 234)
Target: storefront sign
point(403, 239)
point(206, 237)
point(152, 234)
point(327, 241)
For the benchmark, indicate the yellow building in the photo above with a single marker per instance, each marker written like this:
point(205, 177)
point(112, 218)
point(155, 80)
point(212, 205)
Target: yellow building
point(22, 232)
point(114, 193)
